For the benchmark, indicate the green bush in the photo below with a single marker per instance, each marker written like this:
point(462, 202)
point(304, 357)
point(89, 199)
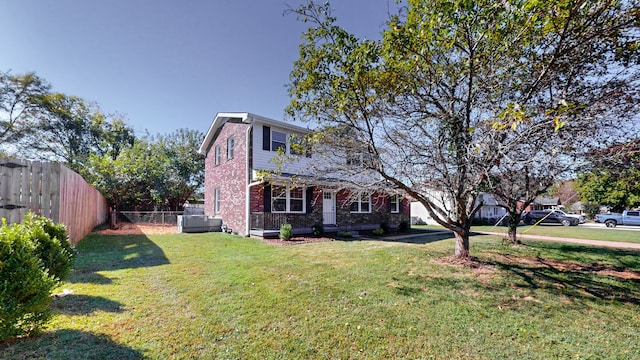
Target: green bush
point(378, 232)
point(317, 230)
point(286, 232)
point(51, 244)
point(403, 226)
point(25, 284)
point(345, 235)
point(384, 226)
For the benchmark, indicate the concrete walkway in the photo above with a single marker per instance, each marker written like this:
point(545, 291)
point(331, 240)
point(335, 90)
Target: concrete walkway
point(612, 244)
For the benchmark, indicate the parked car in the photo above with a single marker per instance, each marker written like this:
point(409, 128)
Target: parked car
point(581, 218)
point(628, 217)
point(550, 216)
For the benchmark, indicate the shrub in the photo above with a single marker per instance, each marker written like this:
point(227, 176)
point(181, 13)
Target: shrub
point(317, 230)
point(378, 232)
point(385, 227)
point(286, 232)
point(25, 284)
point(51, 244)
point(345, 234)
point(403, 226)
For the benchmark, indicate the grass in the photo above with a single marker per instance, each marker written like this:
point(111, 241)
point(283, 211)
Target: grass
point(579, 232)
point(220, 296)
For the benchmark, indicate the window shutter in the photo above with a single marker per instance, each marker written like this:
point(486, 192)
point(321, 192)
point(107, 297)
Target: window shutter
point(266, 138)
point(389, 198)
point(267, 198)
point(309, 199)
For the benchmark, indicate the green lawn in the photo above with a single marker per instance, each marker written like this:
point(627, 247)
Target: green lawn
point(579, 232)
point(216, 296)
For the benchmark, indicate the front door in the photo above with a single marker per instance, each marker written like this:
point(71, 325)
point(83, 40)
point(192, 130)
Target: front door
point(328, 207)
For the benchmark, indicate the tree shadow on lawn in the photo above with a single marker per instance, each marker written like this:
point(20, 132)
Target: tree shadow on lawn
point(84, 305)
point(67, 344)
point(615, 275)
point(113, 252)
point(415, 237)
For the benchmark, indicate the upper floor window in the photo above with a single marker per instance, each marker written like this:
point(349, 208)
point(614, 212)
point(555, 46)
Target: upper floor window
point(230, 145)
point(278, 141)
point(394, 203)
point(362, 204)
point(217, 155)
point(287, 199)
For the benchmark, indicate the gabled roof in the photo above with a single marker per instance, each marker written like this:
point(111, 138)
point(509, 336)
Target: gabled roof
point(244, 117)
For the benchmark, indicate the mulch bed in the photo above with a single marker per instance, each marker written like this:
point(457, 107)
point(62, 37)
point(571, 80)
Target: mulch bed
point(298, 240)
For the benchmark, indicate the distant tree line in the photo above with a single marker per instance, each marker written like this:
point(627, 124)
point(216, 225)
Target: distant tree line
point(133, 172)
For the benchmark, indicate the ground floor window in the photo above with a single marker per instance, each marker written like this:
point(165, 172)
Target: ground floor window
point(216, 200)
point(287, 198)
point(361, 204)
point(394, 204)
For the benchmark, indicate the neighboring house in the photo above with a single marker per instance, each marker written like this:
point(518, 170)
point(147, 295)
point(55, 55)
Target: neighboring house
point(240, 147)
point(489, 210)
point(542, 203)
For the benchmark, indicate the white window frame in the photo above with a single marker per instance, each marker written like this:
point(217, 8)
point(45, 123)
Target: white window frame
point(396, 201)
point(217, 155)
point(230, 148)
point(288, 198)
point(273, 140)
point(216, 200)
point(361, 199)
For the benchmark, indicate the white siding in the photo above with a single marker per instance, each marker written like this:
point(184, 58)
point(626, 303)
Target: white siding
point(262, 159)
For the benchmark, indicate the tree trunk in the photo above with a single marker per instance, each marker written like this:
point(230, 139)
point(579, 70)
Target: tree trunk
point(462, 245)
point(514, 219)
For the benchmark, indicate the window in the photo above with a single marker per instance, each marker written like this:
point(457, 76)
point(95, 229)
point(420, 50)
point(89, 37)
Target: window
point(287, 199)
point(217, 154)
point(362, 204)
point(298, 145)
point(394, 204)
point(216, 200)
point(278, 141)
point(230, 142)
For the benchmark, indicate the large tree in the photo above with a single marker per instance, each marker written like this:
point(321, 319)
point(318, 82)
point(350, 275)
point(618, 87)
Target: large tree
point(160, 172)
point(19, 105)
point(69, 129)
point(454, 87)
point(613, 178)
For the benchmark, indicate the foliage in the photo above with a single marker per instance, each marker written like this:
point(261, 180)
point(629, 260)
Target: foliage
point(345, 235)
point(286, 232)
point(153, 173)
point(51, 243)
point(404, 227)
point(614, 178)
point(459, 92)
point(378, 232)
point(317, 230)
point(25, 284)
point(18, 104)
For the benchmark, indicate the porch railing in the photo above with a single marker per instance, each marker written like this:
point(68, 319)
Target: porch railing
point(273, 221)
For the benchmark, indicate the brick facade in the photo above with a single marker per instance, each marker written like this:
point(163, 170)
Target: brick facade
point(230, 176)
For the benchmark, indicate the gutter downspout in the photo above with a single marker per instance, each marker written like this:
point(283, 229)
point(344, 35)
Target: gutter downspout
point(249, 183)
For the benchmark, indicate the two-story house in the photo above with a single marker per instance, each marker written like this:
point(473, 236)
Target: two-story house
point(241, 147)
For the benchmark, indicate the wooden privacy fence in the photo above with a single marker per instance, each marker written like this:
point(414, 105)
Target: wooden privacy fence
point(51, 190)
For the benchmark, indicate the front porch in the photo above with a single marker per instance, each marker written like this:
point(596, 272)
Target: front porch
point(268, 224)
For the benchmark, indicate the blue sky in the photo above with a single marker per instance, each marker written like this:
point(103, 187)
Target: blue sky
point(166, 64)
